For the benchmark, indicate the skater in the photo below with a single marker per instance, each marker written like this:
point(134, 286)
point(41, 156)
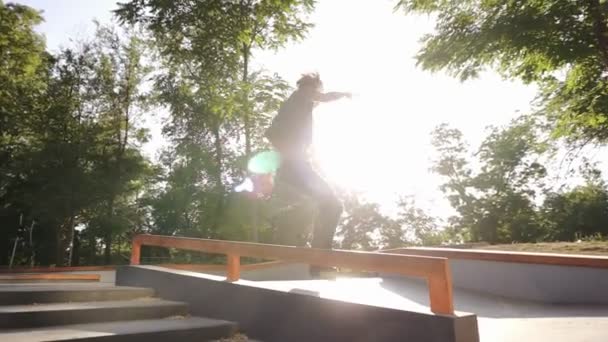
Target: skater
point(291, 135)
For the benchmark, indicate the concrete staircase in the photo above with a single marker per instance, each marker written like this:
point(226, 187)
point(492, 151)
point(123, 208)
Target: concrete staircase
point(99, 312)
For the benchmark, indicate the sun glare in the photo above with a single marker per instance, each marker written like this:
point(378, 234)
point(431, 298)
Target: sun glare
point(362, 146)
point(378, 143)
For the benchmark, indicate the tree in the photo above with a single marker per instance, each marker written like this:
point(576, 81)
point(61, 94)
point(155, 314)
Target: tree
point(496, 202)
point(203, 128)
point(580, 212)
point(118, 102)
point(415, 226)
point(22, 67)
point(70, 144)
point(23, 73)
point(219, 37)
point(362, 224)
point(560, 45)
point(215, 100)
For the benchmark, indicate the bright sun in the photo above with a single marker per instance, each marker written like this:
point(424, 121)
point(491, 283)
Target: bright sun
point(361, 146)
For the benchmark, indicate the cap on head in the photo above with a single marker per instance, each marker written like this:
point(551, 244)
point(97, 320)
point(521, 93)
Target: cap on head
point(312, 80)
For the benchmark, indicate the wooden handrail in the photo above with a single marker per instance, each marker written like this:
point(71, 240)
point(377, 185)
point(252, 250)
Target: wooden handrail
point(436, 271)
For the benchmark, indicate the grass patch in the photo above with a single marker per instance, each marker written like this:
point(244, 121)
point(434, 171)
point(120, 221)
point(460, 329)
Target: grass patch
point(583, 247)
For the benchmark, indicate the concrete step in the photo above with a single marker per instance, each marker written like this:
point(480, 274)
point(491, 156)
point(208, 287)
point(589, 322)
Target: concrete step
point(190, 329)
point(17, 294)
point(40, 315)
point(48, 278)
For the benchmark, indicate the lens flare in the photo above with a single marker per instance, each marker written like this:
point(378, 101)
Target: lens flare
point(264, 162)
point(246, 186)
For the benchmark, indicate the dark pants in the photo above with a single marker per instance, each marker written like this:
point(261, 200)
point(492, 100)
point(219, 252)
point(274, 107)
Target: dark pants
point(298, 173)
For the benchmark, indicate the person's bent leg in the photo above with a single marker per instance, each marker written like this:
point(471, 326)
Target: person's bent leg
point(326, 222)
point(300, 174)
point(328, 217)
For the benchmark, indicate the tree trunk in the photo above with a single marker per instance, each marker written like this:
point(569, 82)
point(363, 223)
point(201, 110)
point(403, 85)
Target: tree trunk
point(254, 203)
point(107, 252)
point(75, 261)
point(72, 237)
point(107, 239)
point(596, 10)
point(219, 186)
point(59, 250)
point(93, 250)
point(247, 118)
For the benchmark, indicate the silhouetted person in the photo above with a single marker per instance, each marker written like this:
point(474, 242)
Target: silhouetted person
point(291, 134)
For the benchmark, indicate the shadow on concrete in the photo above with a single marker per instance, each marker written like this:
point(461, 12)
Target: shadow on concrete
point(485, 305)
point(306, 292)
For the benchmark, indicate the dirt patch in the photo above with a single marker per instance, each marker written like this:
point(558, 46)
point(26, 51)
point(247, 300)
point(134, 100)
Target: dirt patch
point(235, 338)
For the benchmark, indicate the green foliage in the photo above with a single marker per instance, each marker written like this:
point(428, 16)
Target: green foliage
point(71, 162)
point(495, 202)
point(218, 107)
point(578, 213)
point(73, 154)
point(361, 224)
point(498, 200)
point(214, 41)
point(416, 226)
point(560, 45)
point(23, 68)
point(364, 226)
point(221, 28)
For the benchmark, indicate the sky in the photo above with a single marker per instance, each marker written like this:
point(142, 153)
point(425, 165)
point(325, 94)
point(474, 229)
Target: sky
point(378, 143)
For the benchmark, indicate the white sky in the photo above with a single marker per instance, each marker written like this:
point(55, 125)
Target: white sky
point(379, 142)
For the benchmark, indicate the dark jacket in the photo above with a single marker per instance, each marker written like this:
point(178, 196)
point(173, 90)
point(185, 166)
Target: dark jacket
point(291, 129)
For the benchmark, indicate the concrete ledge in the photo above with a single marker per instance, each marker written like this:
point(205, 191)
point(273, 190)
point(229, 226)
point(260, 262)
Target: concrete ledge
point(595, 261)
point(277, 316)
point(540, 283)
point(528, 276)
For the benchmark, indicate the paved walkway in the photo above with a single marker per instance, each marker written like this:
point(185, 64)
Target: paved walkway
point(500, 320)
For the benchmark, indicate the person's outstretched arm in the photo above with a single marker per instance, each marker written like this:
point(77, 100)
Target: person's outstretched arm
point(331, 96)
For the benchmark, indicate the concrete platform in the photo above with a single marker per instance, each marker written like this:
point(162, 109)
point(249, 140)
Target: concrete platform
point(161, 330)
point(304, 310)
point(499, 319)
point(507, 320)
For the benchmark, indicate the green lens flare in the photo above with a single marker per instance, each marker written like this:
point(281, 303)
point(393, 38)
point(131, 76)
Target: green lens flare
point(265, 162)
